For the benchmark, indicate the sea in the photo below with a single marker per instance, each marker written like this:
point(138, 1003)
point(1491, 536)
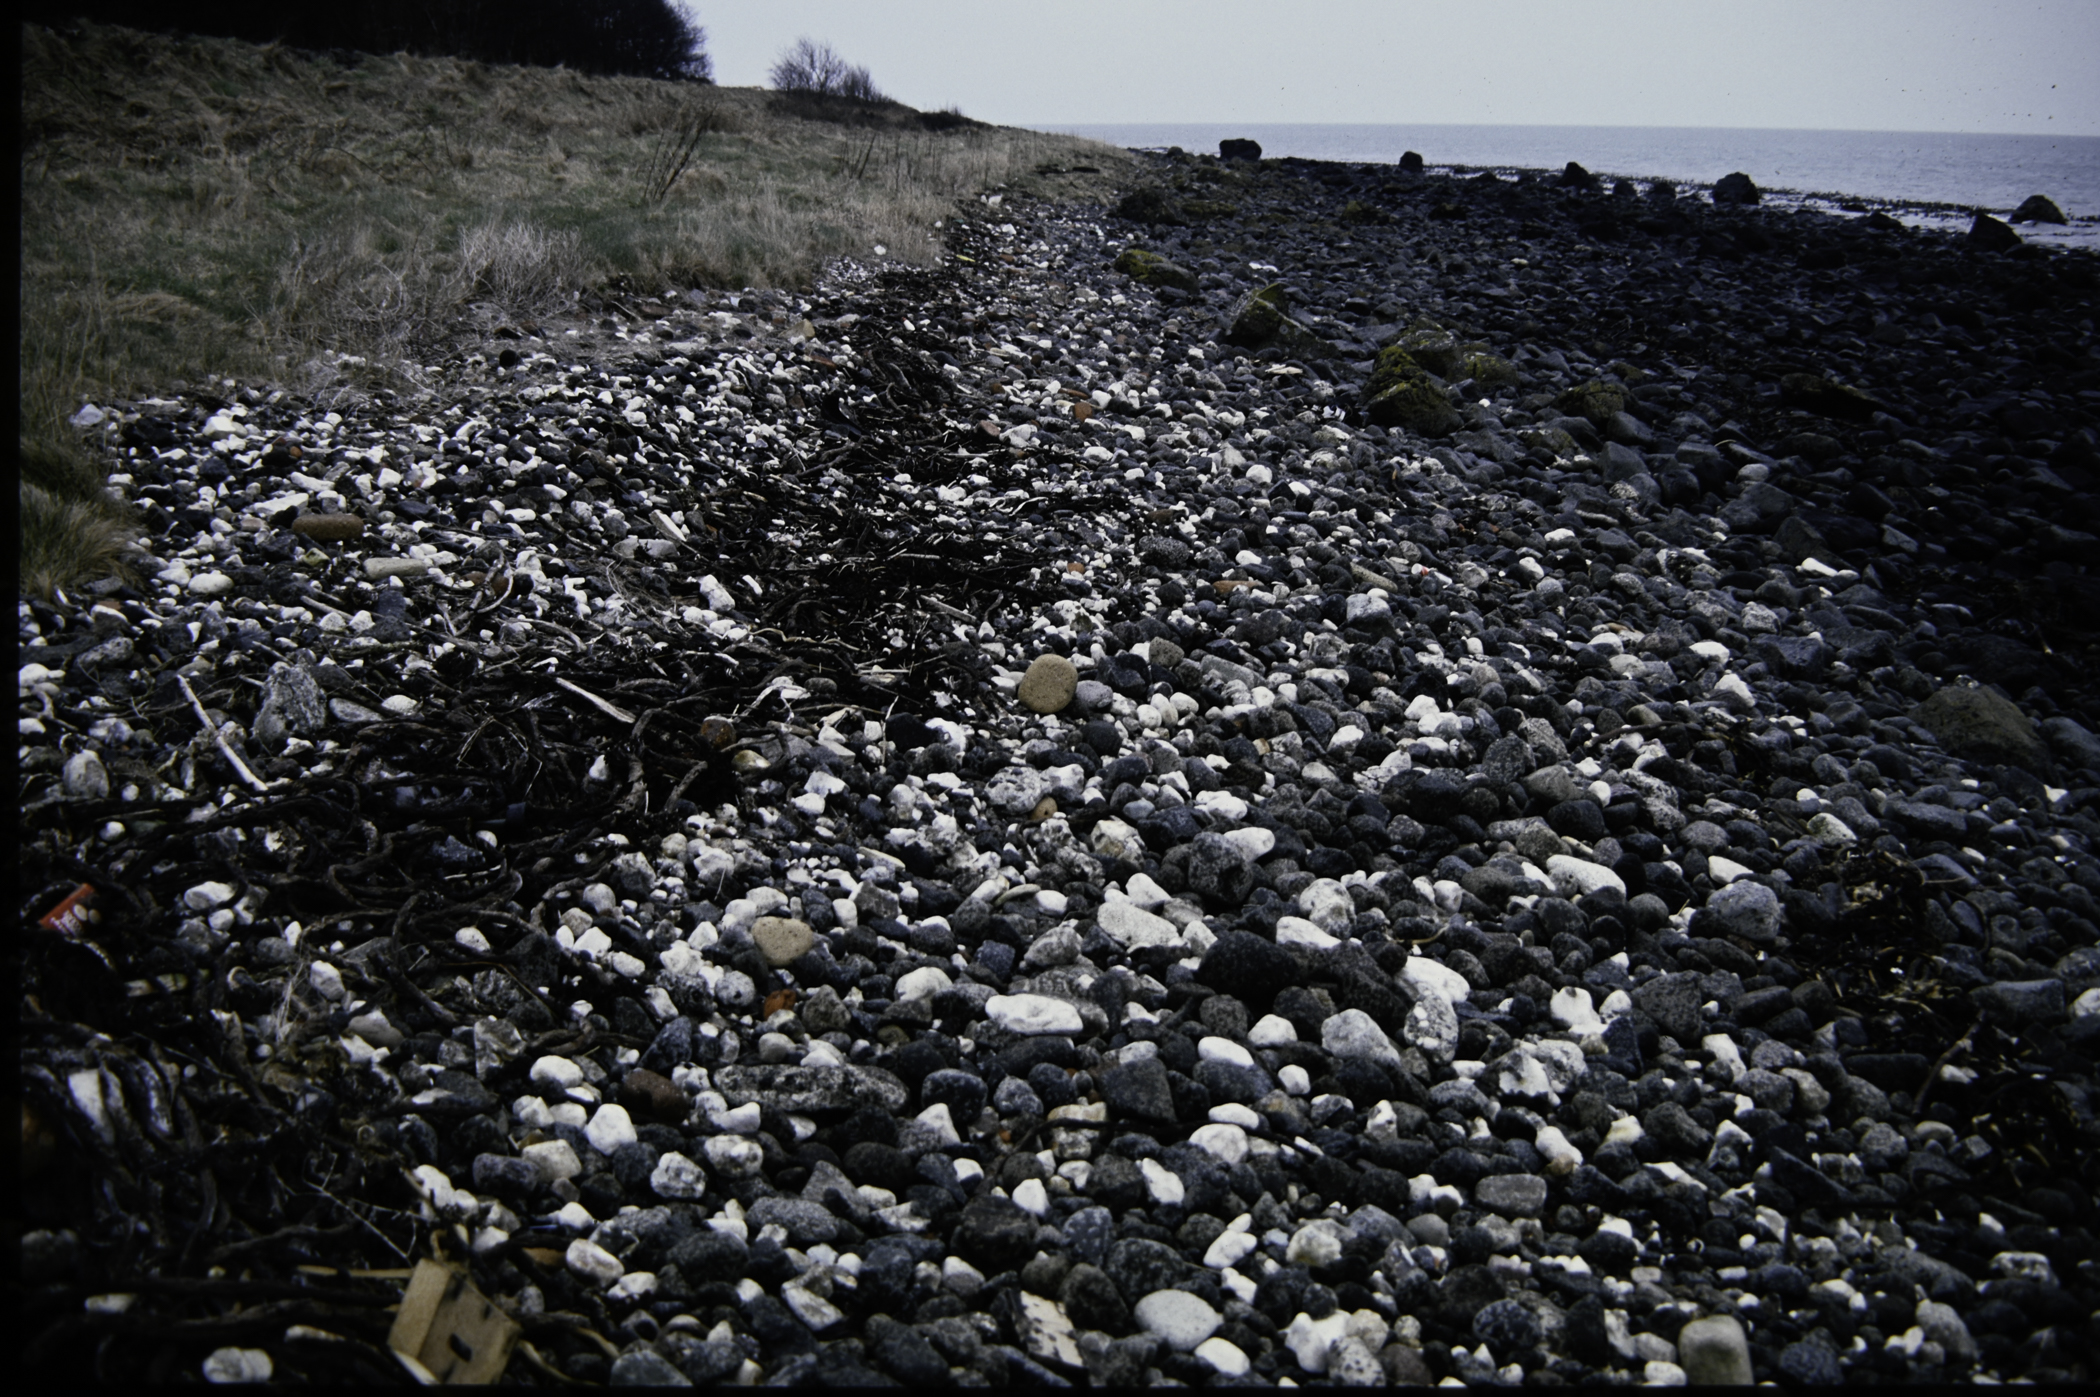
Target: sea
point(1939, 179)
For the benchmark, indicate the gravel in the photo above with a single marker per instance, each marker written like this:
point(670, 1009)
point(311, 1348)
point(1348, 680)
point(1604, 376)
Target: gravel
point(1001, 825)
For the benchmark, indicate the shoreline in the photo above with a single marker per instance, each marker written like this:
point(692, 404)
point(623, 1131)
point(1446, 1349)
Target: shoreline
point(2077, 197)
point(1483, 884)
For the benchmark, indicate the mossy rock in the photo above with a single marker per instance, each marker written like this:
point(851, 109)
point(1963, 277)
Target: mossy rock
point(1257, 318)
point(1551, 439)
point(1262, 320)
point(1149, 206)
point(1413, 401)
point(1394, 365)
point(1209, 208)
point(1155, 270)
point(1825, 398)
point(1434, 348)
point(1488, 370)
point(1357, 211)
point(1595, 400)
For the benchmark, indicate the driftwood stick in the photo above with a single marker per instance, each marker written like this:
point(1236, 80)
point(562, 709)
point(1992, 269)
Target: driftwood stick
point(232, 756)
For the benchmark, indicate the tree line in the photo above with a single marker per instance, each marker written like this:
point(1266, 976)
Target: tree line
point(637, 38)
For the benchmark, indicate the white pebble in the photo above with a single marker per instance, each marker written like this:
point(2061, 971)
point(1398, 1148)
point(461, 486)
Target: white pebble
point(675, 1176)
point(1297, 931)
point(1032, 1197)
point(555, 1159)
point(734, 1156)
point(1033, 1014)
point(1421, 973)
point(593, 1262)
point(1178, 1318)
point(556, 1072)
point(1225, 1356)
point(238, 1365)
point(1230, 1249)
point(1224, 1142)
point(1572, 1009)
point(1272, 1031)
point(206, 896)
point(1165, 1185)
point(326, 979)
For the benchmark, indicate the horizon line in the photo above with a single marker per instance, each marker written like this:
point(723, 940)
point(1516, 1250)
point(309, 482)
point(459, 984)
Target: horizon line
point(1574, 126)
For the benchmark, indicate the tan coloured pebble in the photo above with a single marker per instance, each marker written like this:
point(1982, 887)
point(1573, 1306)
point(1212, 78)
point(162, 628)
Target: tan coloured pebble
point(328, 528)
point(781, 939)
point(379, 569)
point(1048, 685)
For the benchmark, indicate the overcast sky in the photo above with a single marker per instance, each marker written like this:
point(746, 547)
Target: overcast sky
point(1876, 65)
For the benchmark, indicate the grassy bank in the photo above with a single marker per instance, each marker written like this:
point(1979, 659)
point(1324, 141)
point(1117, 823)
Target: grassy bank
point(198, 209)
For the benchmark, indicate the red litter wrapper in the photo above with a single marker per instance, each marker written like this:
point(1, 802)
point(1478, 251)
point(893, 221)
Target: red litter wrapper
point(70, 918)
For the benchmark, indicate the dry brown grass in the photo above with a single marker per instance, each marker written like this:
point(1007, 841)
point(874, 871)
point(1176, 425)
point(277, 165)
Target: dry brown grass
point(203, 208)
point(72, 528)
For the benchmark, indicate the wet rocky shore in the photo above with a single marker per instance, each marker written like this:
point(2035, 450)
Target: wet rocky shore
point(1331, 776)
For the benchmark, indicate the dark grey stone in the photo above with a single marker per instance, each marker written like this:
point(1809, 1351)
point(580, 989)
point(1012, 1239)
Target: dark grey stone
point(1140, 1090)
point(2022, 1001)
point(1673, 1001)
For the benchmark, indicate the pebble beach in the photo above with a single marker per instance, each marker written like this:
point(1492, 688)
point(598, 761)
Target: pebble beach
point(1326, 776)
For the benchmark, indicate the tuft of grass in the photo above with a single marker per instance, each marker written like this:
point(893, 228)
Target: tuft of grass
point(202, 209)
point(73, 530)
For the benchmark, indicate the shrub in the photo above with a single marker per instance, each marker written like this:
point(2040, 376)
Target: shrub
point(808, 66)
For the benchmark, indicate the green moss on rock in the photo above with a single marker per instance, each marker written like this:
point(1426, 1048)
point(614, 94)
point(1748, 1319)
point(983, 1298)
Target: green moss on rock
point(1262, 320)
point(1595, 400)
point(1488, 370)
point(1394, 366)
point(1154, 270)
point(1433, 347)
point(1552, 440)
point(1402, 395)
point(1149, 206)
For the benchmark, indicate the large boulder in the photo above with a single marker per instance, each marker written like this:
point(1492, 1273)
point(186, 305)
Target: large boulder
point(1575, 177)
point(1432, 347)
point(1149, 206)
point(2038, 208)
point(1488, 370)
point(1982, 724)
point(1737, 188)
point(1759, 509)
point(1596, 401)
point(1987, 234)
point(1262, 319)
point(1410, 163)
point(1402, 393)
point(1243, 149)
point(1155, 270)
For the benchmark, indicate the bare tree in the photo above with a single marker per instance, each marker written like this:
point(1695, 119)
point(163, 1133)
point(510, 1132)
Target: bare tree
point(857, 83)
point(808, 66)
